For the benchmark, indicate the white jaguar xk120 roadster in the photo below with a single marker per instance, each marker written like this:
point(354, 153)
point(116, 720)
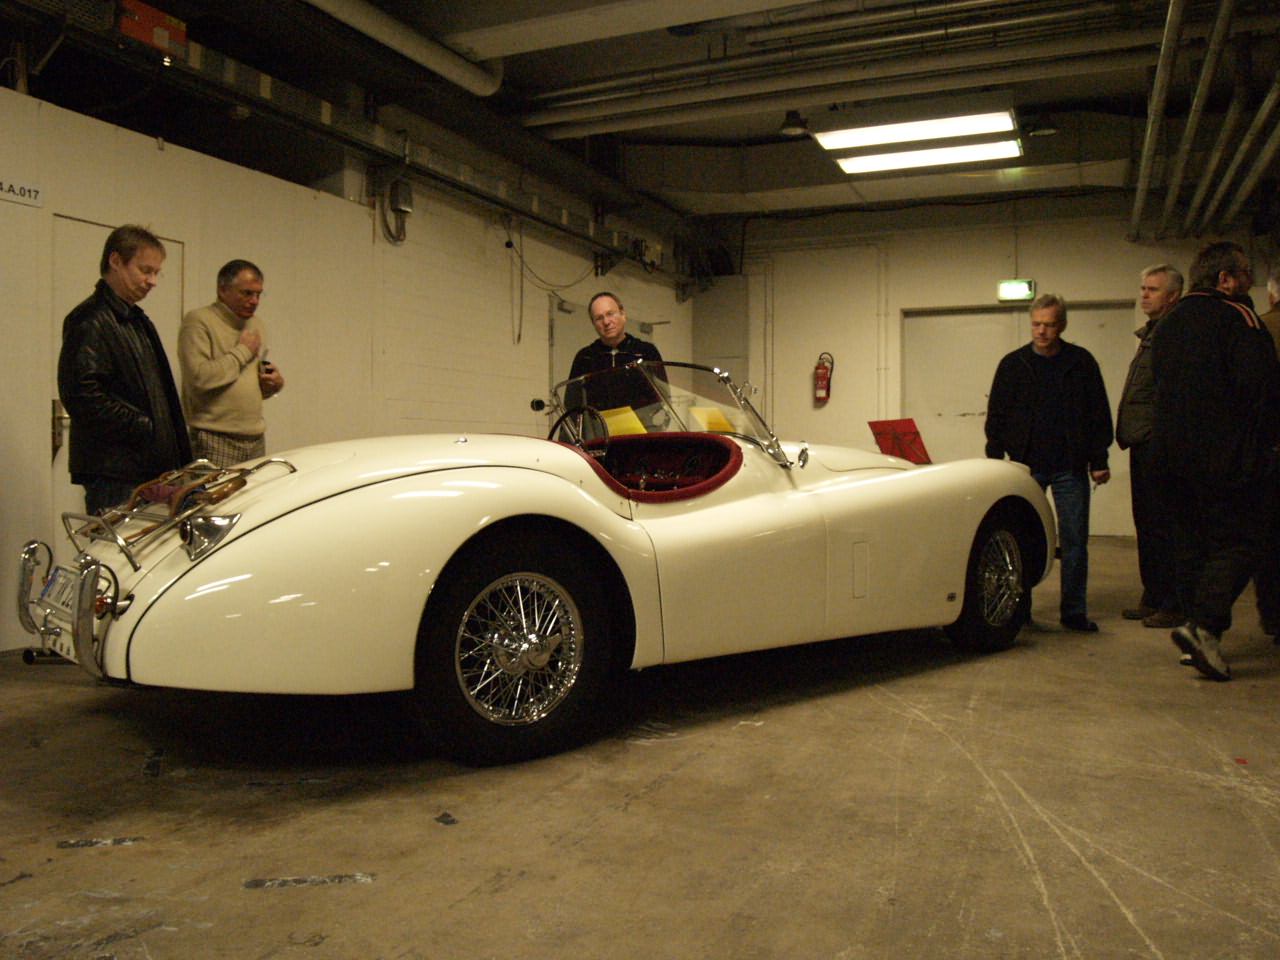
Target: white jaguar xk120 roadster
point(509, 581)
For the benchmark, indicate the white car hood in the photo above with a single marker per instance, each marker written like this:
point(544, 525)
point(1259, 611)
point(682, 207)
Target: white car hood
point(331, 468)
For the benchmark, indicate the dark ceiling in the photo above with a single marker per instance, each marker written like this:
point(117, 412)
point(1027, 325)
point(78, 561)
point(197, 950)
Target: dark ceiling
point(678, 106)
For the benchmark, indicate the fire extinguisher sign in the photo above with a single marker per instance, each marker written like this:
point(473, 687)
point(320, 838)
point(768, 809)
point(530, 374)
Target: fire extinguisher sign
point(822, 378)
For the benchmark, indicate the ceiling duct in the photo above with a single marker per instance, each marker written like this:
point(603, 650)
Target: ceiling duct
point(483, 81)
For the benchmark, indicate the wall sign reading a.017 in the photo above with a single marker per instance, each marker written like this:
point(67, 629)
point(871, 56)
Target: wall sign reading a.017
point(16, 192)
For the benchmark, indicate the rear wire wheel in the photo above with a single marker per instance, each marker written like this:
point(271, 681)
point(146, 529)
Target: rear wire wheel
point(514, 655)
point(997, 594)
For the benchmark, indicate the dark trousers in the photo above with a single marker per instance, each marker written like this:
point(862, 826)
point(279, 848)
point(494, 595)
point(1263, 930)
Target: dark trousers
point(1153, 522)
point(1219, 535)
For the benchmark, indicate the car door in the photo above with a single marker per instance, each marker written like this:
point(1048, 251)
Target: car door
point(741, 568)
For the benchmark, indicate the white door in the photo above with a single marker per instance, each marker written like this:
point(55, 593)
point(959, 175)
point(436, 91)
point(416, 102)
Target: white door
point(948, 361)
point(77, 250)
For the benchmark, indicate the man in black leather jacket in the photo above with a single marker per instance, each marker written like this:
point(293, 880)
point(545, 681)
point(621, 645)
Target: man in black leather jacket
point(126, 419)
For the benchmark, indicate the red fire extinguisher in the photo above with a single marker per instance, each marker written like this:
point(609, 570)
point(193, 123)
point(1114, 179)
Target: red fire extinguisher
point(822, 378)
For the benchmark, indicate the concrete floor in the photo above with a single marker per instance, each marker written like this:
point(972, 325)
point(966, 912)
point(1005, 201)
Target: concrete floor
point(1075, 797)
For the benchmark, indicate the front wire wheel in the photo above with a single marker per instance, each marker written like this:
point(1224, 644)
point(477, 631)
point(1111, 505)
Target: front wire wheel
point(518, 650)
point(1001, 581)
point(515, 654)
point(997, 597)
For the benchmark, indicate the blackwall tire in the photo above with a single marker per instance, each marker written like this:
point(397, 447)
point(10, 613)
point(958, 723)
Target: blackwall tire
point(514, 656)
point(997, 595)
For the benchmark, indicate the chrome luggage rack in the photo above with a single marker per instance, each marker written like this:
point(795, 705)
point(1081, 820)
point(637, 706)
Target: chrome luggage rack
point(160, 505)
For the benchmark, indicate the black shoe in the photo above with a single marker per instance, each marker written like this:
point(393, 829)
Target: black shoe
point(1140, 612)
point(1079, 622)
point(1164, 620)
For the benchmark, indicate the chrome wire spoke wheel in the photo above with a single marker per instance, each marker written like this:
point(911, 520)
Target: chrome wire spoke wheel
point(1000, 578)
point(518, 650)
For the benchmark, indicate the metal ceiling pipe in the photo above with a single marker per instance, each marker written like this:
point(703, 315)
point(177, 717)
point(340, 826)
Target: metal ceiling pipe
point(995, 75)
point(1217, 41)
point(642, 84)
point(1250, 182)
point(843, 75)
point(392, 33)
point(1230, 124)
point(864, 18)
point(1155, 109)
point(1260, 120)
point(775, 17)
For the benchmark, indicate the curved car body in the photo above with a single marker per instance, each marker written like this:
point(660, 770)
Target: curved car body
point(507, 580)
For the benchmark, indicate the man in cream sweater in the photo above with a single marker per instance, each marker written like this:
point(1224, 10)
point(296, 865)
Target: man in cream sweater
point(222, 352)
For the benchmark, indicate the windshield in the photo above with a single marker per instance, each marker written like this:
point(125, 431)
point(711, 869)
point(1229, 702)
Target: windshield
point(653, 397)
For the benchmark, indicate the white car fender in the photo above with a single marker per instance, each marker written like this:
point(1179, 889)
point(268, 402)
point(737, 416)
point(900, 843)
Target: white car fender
point(328, 598)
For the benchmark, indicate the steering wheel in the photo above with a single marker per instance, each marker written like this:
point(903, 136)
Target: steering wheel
point(583, 412)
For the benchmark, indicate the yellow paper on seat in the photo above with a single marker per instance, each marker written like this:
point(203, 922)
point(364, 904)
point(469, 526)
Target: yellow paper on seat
point(711, 419)
point(622, 421)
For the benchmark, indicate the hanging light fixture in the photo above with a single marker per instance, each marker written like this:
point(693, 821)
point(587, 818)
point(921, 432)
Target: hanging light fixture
point(794, 125)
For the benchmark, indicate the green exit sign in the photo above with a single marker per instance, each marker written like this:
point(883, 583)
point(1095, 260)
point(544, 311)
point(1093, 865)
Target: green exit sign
point(1016, 290)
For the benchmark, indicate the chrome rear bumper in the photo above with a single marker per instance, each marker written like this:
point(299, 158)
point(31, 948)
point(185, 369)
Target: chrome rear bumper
point(50, 621)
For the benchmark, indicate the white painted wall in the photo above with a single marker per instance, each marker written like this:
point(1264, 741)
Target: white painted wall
point(444, 333)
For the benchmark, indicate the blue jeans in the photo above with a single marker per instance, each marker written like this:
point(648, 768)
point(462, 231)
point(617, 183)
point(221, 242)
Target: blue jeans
point(1071, 500)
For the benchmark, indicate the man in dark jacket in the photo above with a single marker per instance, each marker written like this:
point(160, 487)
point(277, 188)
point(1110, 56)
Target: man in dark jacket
point(1216, 426)
point(614, 348)
point(126, 419)
point(1161, 286)
point(1048, 409)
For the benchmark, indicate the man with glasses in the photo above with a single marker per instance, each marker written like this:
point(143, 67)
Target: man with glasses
point(1216, 426)
point(222, 351)
point(615, 347)
point(114, 380)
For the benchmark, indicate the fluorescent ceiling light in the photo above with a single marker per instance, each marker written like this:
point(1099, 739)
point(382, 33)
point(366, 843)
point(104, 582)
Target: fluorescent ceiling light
point(940, 129)
point(938, 156)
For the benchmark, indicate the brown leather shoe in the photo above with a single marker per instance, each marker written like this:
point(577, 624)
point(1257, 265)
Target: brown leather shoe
point(1164, 619)
point(1140, 612)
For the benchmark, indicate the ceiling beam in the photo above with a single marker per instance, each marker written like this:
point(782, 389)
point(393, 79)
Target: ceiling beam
point(598, 21)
